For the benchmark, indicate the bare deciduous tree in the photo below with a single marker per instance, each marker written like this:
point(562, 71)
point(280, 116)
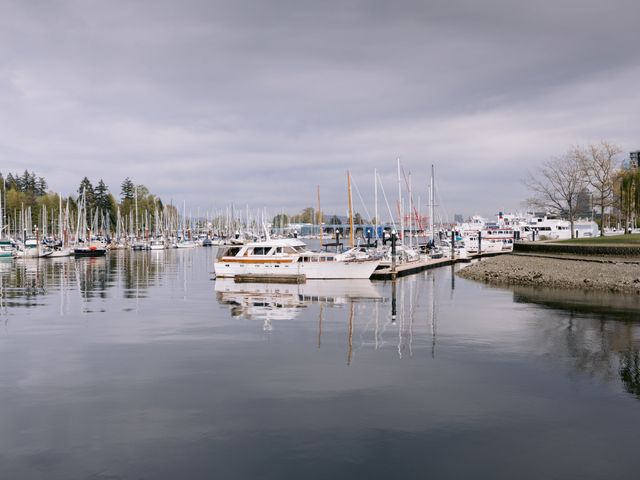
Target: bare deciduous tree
point(556, 185)
point(600, 167)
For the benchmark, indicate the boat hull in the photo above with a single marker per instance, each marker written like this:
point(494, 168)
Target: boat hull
point(33, 253)
point(65, 252)
point(310, 270)
point(87, 252)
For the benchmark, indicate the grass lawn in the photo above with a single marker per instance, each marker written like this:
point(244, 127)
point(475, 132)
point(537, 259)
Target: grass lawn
point(633, 239)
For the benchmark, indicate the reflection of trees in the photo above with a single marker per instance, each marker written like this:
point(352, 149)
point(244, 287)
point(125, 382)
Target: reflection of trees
point(597, 331)
point(139, 270)
point(630, 371)
point(91, 274)
point(24, 282)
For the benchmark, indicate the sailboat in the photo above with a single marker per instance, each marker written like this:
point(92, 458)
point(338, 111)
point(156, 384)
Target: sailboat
point(7, 249)
point(185, 241)
point(32, 249)
point(88, 248)
point(63, 220)
point(404, 253)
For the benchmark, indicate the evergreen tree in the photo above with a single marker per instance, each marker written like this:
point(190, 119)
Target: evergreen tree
point(11, 182)
point(41, 187)
point(25, 182)
point(104, 201)
point(101, 196)
point(87, 188)
point(127, 190)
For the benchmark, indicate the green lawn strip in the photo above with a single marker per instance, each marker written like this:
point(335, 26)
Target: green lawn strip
point(616, 240)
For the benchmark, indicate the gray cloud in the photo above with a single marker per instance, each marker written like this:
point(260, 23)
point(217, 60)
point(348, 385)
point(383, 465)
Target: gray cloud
point(257, 102)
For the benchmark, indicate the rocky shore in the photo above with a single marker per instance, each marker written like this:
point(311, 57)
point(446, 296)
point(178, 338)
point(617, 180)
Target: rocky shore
point(612, 274)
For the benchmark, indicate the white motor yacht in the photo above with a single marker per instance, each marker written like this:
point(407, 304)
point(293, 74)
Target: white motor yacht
point(290, 257)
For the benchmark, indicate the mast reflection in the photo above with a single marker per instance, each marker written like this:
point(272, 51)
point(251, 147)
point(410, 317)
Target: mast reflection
point(364, 324)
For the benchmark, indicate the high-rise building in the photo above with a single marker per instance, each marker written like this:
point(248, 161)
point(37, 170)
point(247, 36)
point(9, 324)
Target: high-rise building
point(634, 159)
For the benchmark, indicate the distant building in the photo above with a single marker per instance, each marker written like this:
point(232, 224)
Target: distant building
point(634, 159)
point(458, 218)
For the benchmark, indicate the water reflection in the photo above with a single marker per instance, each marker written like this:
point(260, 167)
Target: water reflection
point(180, 379)
point(630, 371)
point(29, 283)
point(598, 332)
point(383, 314)
point(274, 301)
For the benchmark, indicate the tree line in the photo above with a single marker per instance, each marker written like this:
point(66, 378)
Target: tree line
point(311, 215)
point(564, 184)
point(28, 192)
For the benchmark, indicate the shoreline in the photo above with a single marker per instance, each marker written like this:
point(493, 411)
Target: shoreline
point(611, 274)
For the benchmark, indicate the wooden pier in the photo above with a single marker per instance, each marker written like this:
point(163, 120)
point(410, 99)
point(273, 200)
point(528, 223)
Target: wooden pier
point(410, 268)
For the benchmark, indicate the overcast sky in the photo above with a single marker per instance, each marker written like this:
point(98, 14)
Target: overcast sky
point(258, 102)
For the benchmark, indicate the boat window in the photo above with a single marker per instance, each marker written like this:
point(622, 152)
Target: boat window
point(228, 252)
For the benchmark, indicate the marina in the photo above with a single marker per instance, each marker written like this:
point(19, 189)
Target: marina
point(138, 364)
point(319, 240)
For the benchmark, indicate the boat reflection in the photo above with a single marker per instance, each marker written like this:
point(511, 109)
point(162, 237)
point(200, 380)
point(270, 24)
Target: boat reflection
point(276, 301)
point(27, 282)
point(382, 315)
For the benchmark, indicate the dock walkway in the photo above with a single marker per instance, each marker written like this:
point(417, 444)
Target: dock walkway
point(410, 268)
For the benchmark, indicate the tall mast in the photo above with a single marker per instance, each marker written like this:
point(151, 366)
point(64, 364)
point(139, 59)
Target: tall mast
point(137, 229)
point(1, 214)
point(80, 213)
point(375, 201)
point(432, 207)
point(319, 215)
point(410, 215)
point(60, 226)
point(400, 205)
point(351, 236)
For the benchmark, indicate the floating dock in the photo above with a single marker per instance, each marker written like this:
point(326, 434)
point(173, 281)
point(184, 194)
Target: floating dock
point(410, 268)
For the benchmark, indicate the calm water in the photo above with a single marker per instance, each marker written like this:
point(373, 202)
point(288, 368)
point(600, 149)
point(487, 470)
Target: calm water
point(139, 366)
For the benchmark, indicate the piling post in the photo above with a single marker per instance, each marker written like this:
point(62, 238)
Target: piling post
point(393, 252)
point(479, 243)
point(453, 244)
